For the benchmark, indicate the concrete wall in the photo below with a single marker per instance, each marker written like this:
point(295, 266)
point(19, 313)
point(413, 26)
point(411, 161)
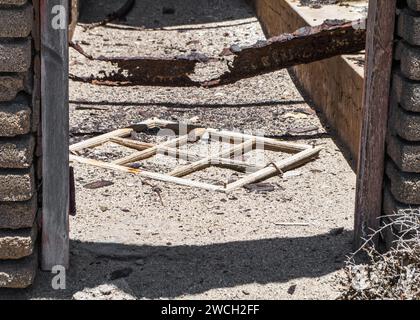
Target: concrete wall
point(335, 85)
point(19, 121)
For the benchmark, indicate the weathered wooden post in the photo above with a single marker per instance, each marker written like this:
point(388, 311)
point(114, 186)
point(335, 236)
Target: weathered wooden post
point(55, 128)
point(370, 177)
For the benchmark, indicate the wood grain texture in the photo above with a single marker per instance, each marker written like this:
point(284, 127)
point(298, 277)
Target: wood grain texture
point(236, 150)
point(150, 152)
point(379, 51)
point(55, 131)
point(262, 142)
point(147, 174)
point(276, 168)
point(101, 139)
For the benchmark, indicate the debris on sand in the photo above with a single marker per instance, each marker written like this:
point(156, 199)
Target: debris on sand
point(241, 144)
point(393, 275)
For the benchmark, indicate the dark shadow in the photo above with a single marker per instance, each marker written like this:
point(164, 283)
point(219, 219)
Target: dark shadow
point(167, 13)
point(172, 271)
point(187, 105)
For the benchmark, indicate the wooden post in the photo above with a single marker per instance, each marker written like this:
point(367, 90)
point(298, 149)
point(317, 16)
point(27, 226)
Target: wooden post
point(379, 51)
point(55, 130)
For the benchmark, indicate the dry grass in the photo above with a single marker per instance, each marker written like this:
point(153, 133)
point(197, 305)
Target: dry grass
point(394, 274)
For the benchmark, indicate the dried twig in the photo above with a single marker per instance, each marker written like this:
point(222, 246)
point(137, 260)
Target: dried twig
point(394, 274)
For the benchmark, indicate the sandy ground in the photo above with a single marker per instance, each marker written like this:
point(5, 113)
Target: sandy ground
point(195, 244)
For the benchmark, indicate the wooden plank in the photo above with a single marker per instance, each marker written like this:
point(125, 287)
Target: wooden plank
point(150, 152)
point(179, 128)
point(370, 176)
point(105, 165)
point(55, 133)
point(266, 143)
point(236, 165)
point(187, 155)
point(97, 141)
point(206, 162)
point(146, 174)
point(132, 144)
point(283, 165)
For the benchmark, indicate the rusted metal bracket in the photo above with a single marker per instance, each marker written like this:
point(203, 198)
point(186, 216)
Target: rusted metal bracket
point(306, 45)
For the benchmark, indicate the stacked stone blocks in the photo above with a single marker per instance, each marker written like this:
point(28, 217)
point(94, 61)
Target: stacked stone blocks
point(402, 185)
point(19, 122)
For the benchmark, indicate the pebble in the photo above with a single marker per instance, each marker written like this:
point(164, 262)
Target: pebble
point(140, 262)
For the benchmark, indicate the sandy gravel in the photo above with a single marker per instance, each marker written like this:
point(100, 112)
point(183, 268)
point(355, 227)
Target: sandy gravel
point(127, 243)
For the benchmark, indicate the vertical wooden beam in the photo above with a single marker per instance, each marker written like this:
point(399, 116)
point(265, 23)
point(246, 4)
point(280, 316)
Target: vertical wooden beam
point(379, 50)
point(55, 129)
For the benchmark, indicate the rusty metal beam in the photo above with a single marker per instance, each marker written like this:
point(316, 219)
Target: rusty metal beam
point(306, 45)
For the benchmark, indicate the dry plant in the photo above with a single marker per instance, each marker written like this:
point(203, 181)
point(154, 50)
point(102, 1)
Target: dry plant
point(391, 275)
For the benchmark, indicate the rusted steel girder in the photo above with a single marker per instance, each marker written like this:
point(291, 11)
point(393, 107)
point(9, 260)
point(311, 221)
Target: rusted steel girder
point(306, 45)
point(134, 71)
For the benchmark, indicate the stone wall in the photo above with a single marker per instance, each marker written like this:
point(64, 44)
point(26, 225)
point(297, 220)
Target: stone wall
point(402, 186)
point(19, 153)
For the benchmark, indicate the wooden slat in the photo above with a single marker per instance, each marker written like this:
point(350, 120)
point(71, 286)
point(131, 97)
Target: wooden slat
point(150, 152)
point(370, 176)
point(132, 144)
point(236, 165)
point(187, 155)
point(283, 165)
point(267, 143)
point(55, 130)
point(146, 174)
point(206, 162)
point(105, 165)
point(97, 141)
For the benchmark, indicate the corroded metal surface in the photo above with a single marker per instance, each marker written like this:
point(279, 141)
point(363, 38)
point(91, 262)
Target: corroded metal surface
point(306, 45)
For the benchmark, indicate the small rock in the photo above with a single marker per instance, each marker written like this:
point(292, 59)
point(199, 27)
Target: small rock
point(194, 119)
point(292, 289)
point(121, 273)
point(103, 208)
point(98, 184)
point(168, 10)
point(105, 289)
point(291, 174)
point(336, 231)
point(260, 187)
point(140, 262)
